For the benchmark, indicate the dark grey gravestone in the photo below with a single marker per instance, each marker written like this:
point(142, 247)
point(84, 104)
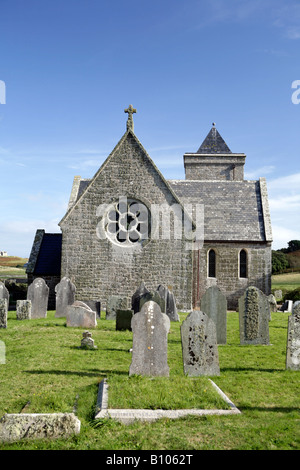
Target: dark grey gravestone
point(135, 300)
point(23, 309)
point(4, 293)
point(123, 319)
point(65, 295)
point(114, 303)
point(3, 313)
point(153, 296)
point(199, 345)
point(150, 329)
point(214, 304)
point(95, 305)
point(254, 315)
point(38, 293)
point(170, 302)
point(293, 342)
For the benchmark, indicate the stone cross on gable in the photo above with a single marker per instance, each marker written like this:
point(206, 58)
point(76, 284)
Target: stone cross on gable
point(130, 110)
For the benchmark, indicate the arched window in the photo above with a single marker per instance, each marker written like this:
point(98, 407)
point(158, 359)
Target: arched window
point(243, 263)
point(212, 263)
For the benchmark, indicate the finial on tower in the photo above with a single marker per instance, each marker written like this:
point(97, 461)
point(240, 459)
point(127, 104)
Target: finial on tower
point(130, 110)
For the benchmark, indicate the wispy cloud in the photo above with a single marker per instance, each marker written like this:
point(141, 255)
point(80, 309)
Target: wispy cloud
point(258, 172)
point(287, 18)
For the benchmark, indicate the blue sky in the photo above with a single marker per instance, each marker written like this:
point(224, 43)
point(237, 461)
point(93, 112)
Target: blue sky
point(71, 67)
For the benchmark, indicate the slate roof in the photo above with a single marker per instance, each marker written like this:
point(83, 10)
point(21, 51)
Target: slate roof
point(213, 143)
point(49, 255)
point(232, 209)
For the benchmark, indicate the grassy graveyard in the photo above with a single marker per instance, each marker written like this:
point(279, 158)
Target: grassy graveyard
point(45, 371)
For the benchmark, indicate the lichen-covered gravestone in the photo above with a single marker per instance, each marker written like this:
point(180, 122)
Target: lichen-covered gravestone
point(3, 313)
point(23, 309)
point(38, 293)
point(65, 295)
point(199, 345)
point(254, 316)
point(4, 293)
point(293, 341)
point(114, 303)
point(150, 329)
point(214, 304)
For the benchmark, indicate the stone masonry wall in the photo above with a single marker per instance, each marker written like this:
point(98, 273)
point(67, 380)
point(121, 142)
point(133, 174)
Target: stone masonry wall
point(227, 270)
point(97, 266)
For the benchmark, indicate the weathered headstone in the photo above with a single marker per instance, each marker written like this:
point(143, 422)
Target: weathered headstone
point(153, 296)
point(114, 303)
point(3, 313)
point(289, 306)
point(278, 294)
point(199, 345)
point(94, 305)
point(23, 309)
point(123, 319)
point(14, 427)
point(4, 293)
point(87, 341)
point(150, 341)
point(214, 304)
point(272, 302)
point(38, 293)
point(296, 307)
point(65, 295)
point(80, 315)
point(293, 342)
point(135, 300)
point(254, 315)
point(170, 302)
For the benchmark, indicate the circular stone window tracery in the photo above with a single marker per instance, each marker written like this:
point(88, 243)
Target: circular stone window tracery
point(127, 222)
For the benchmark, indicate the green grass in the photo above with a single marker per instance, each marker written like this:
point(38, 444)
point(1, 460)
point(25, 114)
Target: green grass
point(286, 282)
point(45, 371)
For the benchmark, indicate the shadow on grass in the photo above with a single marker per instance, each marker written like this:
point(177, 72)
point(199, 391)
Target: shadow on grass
point(92, 373)
point(273, 409)
point(249, 369)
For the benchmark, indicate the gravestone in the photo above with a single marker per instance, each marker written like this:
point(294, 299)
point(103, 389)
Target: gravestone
point(3, 313)
point(80, 315)
point(94, 305)
point(296, 307)
point(214, 304)
point(153, 296)
point(199, 345)
point(65, 295)
point(38, 293)
point(278, 294)
point(293, 342)
point(114, 303)
point(23, 309)
point(254, 315)
point(272, 302)
point(135, 300)
point(170, 302)
point(150, 329)
point(87, 341)
point(4, 293)
point(123, 319)
point(289, 306)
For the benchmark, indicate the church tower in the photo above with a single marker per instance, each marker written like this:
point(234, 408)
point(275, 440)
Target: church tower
point(214, 160)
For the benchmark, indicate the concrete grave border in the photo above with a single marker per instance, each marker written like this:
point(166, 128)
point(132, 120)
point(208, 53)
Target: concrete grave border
point(128, 416)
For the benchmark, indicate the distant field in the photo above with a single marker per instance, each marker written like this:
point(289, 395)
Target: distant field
point(287, 281)
point(11, 266)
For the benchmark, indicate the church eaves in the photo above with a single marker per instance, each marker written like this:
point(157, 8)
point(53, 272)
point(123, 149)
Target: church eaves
point(213, 143)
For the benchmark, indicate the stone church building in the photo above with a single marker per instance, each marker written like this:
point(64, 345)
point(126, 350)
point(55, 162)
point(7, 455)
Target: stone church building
point(129, 224)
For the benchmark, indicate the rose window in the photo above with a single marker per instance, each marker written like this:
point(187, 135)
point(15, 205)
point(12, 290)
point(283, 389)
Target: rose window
point(127, 222)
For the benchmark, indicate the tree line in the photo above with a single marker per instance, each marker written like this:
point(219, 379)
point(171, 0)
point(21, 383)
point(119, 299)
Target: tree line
point(280, 260)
